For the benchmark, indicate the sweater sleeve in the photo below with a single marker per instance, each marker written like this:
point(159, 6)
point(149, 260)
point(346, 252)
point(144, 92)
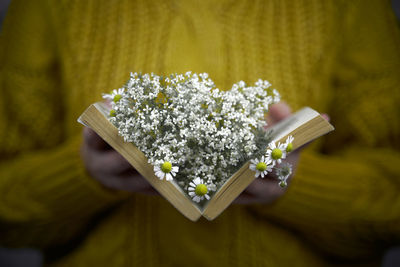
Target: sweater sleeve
point(345, 197)
point(47, 198)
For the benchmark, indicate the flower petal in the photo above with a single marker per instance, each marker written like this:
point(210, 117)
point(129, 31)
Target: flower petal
point(168, 177)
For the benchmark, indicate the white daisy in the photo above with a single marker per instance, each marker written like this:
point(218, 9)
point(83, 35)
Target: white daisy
point(261, 167)
point(283, 172)
point(112, 113)
point(166, 170)
point(198, 190)
point(276, 152)
point(115, 95)
point(289, 144)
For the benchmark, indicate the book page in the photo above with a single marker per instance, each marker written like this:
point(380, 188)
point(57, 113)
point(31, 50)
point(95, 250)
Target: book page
point(294, 121)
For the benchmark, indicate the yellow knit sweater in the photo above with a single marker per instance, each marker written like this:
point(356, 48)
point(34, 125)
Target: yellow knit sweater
point(339, 57)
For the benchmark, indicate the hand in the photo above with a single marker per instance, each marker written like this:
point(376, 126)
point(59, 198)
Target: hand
point(109, 168)
point(267, 190)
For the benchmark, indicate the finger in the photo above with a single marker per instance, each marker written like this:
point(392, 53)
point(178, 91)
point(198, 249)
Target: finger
point(110, 162)
point(263, 190)
point(278, 112)
point(244, 198)
point(262, 186)
point(108, 103)
point(133, 182)
point(93, 140)
point(326, 117)
point(141, 184)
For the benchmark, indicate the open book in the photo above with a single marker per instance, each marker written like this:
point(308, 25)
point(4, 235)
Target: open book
point(304, 125)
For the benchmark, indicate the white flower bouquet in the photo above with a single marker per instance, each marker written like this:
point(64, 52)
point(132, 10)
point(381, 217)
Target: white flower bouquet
point(197, 135)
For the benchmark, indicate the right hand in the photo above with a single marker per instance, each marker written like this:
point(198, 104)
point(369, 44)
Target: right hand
point(267, 190)
point(108, 167)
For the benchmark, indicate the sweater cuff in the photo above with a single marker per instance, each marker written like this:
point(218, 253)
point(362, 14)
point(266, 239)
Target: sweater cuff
point(322, 185)
point(347, 201)
point(52, 184)
point(359, 185)
point(89, 189)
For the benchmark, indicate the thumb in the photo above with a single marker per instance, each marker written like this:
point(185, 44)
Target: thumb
point(278, 112)
point(93, 140)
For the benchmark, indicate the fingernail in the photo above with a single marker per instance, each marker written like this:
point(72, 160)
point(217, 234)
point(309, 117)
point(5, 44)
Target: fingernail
point(326, 117)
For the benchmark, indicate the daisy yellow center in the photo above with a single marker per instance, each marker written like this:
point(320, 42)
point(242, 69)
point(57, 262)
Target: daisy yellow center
point(117, 98)
point(201, 190)
point(276, 153)
point(261, 166)
point(289, 147)
point(282, 184)
point(166, 167)
point(112, 113)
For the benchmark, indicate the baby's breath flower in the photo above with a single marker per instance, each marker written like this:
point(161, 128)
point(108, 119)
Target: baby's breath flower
point(277, 96)
point(183, 122)
point(198, 190)
point(166, 170)
point(261, 167)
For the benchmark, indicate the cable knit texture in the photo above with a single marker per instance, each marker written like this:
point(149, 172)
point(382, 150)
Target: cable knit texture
point(339, 57)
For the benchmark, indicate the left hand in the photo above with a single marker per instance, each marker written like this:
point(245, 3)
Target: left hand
point(109, 168)
point(266, 190)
